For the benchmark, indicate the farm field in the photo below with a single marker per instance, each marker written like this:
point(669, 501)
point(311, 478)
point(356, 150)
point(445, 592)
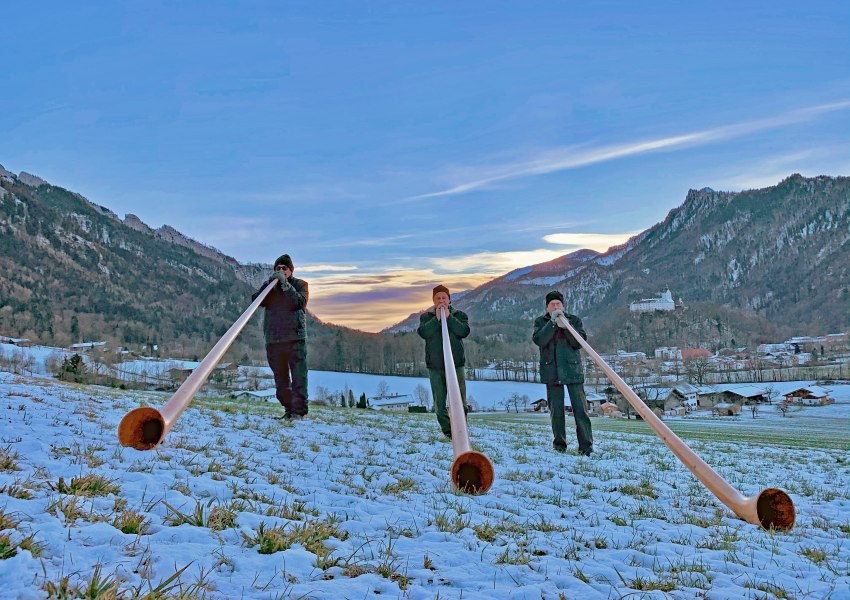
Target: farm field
point(794, 431)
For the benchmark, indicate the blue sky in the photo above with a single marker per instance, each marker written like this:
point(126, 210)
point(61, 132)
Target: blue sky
point(391, 146)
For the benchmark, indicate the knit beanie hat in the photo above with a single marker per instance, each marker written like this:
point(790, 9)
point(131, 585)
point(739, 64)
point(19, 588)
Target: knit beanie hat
point(554, 295)
point(441, 288)
point(285, 261)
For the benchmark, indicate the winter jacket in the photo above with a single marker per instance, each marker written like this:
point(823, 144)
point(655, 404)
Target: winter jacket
point(431, 331)
point(560, 359)
point(285, 319)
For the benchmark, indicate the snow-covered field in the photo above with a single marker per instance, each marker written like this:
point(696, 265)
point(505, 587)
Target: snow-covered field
point(486, 394)
point(490, 394)
point(357, 504)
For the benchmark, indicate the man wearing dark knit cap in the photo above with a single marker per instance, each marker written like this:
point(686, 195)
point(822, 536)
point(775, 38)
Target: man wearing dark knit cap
point(430, 330)
point(285, 330)
point(560, 365)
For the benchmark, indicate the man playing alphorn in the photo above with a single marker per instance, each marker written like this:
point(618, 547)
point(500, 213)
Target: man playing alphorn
point(430, 330)
point(560, 365)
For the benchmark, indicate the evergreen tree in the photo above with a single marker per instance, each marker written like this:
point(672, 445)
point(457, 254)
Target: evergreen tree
point(362, 402)
point(72, 369)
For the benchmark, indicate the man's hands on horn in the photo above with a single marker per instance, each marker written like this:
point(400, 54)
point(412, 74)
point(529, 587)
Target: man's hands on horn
point(555, 314)
point(281, 278)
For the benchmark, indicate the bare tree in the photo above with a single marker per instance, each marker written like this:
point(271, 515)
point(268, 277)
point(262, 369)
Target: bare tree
point(623, 405)
point(422, 396)
point(251, 376)
point(771, 393)
point(383, 389)
point(98, 367)
point(26, 362)
point(323, 396)
point(515, 400)
point(696, 370)
point(507, 403)
point(17, 361)
point(524, 401)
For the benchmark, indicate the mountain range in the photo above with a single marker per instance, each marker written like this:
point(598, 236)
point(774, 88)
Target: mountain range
point(744, 267)
point(73, 271)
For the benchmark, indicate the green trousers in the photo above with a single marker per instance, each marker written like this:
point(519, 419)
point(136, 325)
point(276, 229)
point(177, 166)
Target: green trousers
point(439, 391)
point(555, 396)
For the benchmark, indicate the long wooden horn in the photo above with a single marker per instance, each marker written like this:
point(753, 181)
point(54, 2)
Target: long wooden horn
point(472, 472)
point(772, 508)
point(144, 428)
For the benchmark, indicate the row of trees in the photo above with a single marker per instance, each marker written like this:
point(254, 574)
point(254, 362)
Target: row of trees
point(337, 348)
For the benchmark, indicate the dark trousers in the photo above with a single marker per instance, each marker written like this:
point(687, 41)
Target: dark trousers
point(288, 361)
point(439, 391)
point(555, 396)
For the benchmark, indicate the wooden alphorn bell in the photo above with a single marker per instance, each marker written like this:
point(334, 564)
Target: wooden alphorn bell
point(471, 472)
point(144, 428)
point(772, 508)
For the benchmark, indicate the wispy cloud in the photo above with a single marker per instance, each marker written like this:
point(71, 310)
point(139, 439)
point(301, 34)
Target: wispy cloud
point(317, 194)
point(595, 241)
point(364, 242)
point(325, 268)
point(495, 263)
point(573, 157)
point(765, 172)
point(498, 263)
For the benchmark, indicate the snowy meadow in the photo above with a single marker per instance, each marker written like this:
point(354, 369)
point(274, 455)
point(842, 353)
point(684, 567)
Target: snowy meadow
point(357, 504)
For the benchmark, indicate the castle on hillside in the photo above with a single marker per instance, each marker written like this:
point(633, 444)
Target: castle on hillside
point(665, 302)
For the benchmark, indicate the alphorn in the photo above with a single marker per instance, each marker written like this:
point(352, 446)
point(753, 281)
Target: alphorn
point(472, 472)
point(144, 428)
point(772, 508)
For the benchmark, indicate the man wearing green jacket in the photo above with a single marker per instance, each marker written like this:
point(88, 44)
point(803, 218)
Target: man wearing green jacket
point(430, 330)
point(560, 365)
